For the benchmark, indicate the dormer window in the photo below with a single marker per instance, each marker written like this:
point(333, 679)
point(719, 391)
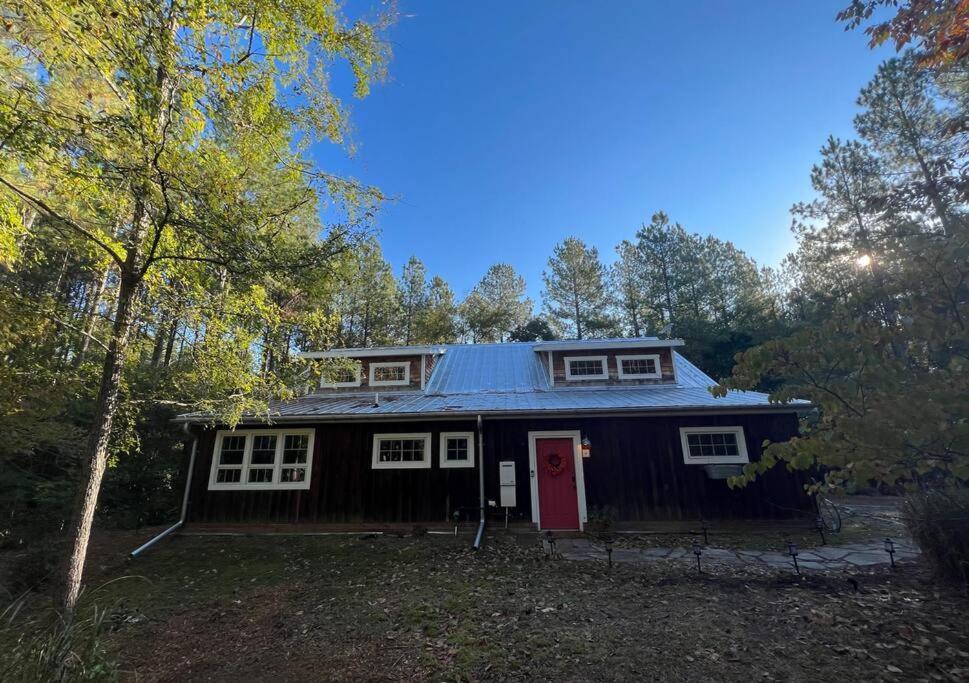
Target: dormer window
point(639, 367)
point(586, 368)
point(389, 374)
point(341, 377)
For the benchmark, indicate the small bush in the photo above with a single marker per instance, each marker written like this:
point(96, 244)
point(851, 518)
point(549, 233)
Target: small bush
point(55, 650)
point(939, 522)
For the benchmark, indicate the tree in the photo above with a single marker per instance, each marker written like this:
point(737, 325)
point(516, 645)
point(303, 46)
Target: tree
point(575, 287)
point(661, 247)
point(412, 298)
point(628, 291)
point(939, 27)
point(436, 323)
point(879, 347)
point(536, 329)
point(131, 133)
point(901, 121)
point(496, 305)
point(368, 303)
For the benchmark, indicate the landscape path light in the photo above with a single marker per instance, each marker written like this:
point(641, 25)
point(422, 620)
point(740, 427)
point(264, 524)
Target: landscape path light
point(890, 549)
point(792, 551)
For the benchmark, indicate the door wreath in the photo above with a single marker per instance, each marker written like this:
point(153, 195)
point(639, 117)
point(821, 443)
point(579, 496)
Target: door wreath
point(554, 464)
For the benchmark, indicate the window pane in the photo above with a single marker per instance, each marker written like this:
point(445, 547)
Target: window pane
point(715, 444)
point(394, 373)
point(584, 368)
point(457, 448)
point(639, 366)
point(261, 475)
point(291, 474)
point(228, 476)
point(233, 448)
point(294, 448)
point(263, 449)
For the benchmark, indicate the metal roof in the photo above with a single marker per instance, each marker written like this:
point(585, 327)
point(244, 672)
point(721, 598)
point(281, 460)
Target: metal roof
point(472, 368)
point(510, 379)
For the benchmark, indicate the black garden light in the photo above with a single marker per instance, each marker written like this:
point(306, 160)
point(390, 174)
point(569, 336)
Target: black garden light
point(608, 542)
point(697, 550)
point(704, 526)
point(890, 549)
point(792, 551)
point(457, 518)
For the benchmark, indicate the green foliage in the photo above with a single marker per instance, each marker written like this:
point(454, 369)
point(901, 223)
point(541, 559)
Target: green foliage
point(880, 300)
point(536, 329)
point(56, 649)
point(497, 305)
point(575, 289)
point(939, 522)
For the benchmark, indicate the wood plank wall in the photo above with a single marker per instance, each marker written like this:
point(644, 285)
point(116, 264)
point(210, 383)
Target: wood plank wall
point(636, 468)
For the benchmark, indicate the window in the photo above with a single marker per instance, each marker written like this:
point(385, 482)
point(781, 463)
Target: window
point(711, 445)
point(401, 451)
point(389, 374)
point(341, 377)
point(262, 459)
point(457, 449)
point(586, 367)
point(639, 367)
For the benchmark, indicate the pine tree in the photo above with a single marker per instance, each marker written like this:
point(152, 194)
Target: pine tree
point(437, 321)
point(497, 305)
point(412, 299)
point(575, 288)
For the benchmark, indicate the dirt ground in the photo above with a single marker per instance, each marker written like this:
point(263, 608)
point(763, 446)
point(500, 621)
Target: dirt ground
point(386, 607)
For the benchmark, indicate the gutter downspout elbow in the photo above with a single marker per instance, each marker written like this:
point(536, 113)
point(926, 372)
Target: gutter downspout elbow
point(479, 537)
point(188, 485)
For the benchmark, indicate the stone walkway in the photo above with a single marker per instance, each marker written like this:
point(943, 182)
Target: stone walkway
point(849, 556)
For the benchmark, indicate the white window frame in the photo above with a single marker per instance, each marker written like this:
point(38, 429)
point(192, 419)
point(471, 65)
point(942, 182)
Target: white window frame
point(442, 452)
point(740, 459)
point(391, 383)
point(278, 466)
point(424, 464)
point(603, 360)
point(640, 375)
point(337, 385)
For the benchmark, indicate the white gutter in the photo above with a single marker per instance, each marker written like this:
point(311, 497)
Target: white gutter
point(181, 520)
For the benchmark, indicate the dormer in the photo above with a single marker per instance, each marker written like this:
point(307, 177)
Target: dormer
point(379, 369)
point(608, 362)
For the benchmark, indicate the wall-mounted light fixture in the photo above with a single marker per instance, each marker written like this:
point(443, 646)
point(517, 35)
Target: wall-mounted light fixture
point(586, 447)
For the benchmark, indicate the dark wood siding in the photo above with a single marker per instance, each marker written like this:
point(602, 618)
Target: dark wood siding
point(636, 468)
point(344, 487)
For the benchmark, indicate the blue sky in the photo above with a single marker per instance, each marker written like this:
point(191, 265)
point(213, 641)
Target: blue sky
point(507, 126)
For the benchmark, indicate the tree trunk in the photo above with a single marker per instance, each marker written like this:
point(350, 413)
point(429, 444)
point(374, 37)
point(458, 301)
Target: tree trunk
point(93, 466)
point(172, 333)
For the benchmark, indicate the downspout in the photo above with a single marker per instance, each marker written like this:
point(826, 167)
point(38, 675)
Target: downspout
point(479, 537)
point(188, 484)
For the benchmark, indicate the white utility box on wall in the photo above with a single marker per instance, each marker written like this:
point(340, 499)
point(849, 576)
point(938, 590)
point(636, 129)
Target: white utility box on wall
point(506, 478)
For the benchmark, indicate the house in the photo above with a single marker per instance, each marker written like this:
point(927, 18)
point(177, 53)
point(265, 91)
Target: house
point(547, 433)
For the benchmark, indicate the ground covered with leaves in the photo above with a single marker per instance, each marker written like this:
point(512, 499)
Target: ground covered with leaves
point(429, 607)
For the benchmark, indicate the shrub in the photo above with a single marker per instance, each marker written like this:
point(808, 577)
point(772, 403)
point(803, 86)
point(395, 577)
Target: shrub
point(55, 650)
point(939, 522)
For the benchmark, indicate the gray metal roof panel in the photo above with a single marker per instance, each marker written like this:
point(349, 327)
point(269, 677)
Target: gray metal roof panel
point(469, 368)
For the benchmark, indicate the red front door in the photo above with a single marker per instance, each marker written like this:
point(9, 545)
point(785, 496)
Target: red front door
point(558, 502)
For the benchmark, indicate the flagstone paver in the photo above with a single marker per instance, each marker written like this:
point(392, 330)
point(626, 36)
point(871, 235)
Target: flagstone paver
point(852, 555)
